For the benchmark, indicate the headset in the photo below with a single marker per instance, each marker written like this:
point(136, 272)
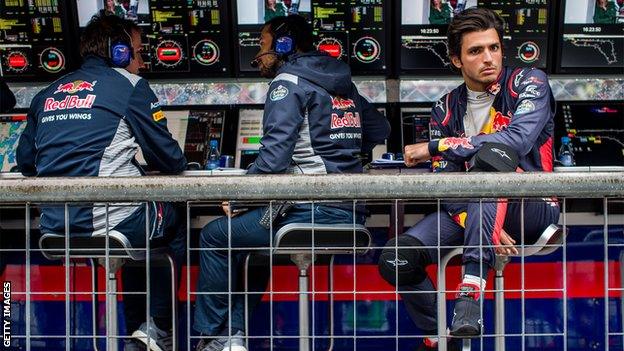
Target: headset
point(120, 52)
point(283, 44)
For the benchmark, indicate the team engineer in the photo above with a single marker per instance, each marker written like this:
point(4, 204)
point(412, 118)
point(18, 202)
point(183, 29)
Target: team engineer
point(91, 122)
point(315, 122)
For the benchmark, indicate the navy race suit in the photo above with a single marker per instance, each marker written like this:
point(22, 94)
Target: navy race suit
point(315, 121)
point(91, 122)
point(521, 117)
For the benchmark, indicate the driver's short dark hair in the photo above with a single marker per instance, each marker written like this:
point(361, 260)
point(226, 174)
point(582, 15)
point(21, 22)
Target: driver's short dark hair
point(105, 28)
point(297, 27)
point(473, 19)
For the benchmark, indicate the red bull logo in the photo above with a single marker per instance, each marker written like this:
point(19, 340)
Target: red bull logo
point(494, 88)
point(349, 120)
point(339, 103)
point(70, 102)
point(500, 121)
point(75, 86)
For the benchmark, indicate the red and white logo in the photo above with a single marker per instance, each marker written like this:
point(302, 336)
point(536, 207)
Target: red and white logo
point(70, 102)
point(454, 143)
point(75, 86)
point(494, 88)
point(339, 103)
point(348, 120)
point(500, 121)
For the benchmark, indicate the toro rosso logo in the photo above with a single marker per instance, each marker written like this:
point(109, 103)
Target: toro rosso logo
point(75, 86)
point(339, 103)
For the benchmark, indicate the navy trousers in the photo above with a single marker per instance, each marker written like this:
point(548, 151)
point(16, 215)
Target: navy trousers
point(220, 272)
point(167, 228)
point(420, 298)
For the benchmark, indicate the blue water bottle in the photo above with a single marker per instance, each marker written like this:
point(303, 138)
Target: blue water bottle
point(212, 161)
point(566, 154)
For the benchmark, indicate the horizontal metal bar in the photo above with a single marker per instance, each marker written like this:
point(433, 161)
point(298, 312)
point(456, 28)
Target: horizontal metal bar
point(335, 187)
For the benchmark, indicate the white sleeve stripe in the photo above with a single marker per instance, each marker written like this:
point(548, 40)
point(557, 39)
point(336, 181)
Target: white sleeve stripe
point(287, 77)
point(133, 78)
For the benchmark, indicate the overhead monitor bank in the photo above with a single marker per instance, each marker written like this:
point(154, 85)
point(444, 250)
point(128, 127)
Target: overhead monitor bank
point(33, 39)
point(355, 31)
point(423, 30)
point(180, 37)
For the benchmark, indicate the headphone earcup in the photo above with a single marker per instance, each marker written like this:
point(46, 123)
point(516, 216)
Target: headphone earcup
point(284, 45)
point(120, 54)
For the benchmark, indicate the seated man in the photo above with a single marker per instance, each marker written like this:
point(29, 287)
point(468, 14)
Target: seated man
point(91, 122)
point(511, 107)
point(315, 122)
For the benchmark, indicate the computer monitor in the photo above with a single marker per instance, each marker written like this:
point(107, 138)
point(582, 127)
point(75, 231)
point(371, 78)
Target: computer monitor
point(592, 36)
point(250, 16)
point(356, 31)
point(248, 136)
point(179, 37)
point(424, 24)
point(11, 128)
point(595, 129)
point(193, 130)
point(33, 39)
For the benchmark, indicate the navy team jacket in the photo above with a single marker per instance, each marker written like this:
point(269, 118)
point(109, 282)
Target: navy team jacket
point(315, 121)
point(521, 117)
point(91, 122)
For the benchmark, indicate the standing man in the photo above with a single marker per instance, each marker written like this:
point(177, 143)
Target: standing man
point(315, 122)
point(91, 122)
point(501, 114)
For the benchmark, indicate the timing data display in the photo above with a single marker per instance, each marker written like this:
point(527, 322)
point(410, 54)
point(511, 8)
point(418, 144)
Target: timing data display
point(593, 35)
point(179, 36)
point(350, 30)
point(424, 27)
point(32, 43)
point(596, 132)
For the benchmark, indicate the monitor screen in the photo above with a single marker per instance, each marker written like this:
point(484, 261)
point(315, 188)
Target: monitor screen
point(193, 130)
point(178, 36)
point(592, 36)
point(595, 129)
point(11, 127)
point(248, 136)
point(353, 31)
point(424, 28)
point(33, 41)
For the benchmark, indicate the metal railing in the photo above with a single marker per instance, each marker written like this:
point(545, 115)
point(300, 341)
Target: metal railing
point(395, 202)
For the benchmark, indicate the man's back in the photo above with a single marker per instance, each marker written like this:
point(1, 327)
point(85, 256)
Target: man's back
point(91, 122)
point(314, 113)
